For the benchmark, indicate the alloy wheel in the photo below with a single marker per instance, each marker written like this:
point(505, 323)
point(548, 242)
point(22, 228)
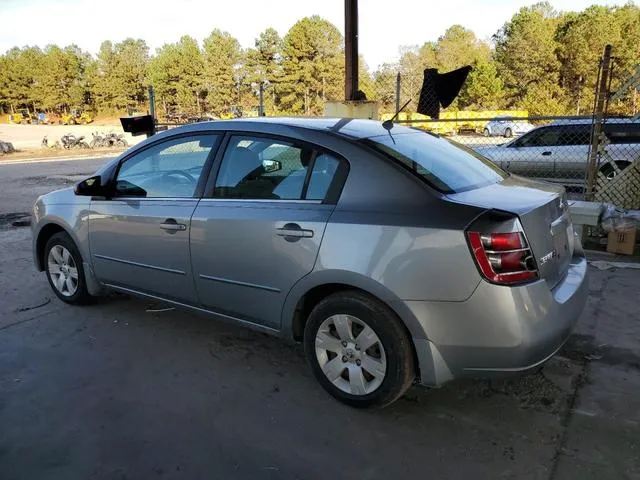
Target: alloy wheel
point(350, 354)
point(63, 270)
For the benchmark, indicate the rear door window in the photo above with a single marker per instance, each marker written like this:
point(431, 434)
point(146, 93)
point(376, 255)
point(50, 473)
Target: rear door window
point(262, 168)
point(571, 135)
point(447, 166)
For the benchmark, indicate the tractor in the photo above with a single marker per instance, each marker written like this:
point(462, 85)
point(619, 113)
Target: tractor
point(76, 117)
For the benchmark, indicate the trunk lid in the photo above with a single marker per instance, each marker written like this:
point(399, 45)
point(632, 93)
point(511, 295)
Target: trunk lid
point(544, 214)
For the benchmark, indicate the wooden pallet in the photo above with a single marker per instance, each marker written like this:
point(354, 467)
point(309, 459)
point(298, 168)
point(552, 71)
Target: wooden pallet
point(623, 190)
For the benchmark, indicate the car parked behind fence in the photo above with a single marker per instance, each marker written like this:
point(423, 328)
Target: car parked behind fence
point(560, 151)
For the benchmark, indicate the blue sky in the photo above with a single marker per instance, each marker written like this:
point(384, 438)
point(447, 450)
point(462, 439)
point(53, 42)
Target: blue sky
point(384, 25)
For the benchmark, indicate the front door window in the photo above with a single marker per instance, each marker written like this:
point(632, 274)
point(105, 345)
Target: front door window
point(170, 169)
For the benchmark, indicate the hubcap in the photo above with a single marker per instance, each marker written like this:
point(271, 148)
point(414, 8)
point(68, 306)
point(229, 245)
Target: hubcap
point(351, 354)
point(63, 270)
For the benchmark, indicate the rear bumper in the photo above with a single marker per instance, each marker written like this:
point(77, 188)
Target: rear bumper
point(498, 329)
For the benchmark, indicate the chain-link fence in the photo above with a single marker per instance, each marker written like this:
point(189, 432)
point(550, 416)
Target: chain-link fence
point(617, 147)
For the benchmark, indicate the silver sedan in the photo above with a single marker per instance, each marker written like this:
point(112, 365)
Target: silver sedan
point(394, 255)
point(506, 127)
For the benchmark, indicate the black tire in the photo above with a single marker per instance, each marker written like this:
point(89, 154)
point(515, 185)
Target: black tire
point(609, 172)
point(486, 132)
point(81, 295)
point(122, 143)
point(400, 369)
point(508, 133)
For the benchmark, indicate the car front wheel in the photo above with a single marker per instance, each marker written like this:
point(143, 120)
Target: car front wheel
point(63, 264)
point(359, 350)
point(508, 133)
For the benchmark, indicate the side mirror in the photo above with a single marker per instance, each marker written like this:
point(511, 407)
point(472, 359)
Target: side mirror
point(271, 165)
point(90, 187)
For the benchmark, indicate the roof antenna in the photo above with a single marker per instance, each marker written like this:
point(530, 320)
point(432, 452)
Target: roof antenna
point(388, 124)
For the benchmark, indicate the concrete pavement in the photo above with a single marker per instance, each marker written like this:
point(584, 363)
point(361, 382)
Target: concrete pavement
point(22, 182)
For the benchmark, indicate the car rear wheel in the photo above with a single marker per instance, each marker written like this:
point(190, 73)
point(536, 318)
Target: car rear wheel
point(610, 172)
point(63, 264)
point(508, 133)
point(486, 132)
point(359, 350)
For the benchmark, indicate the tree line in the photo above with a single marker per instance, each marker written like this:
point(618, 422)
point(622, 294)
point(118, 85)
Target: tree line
point(541, 60)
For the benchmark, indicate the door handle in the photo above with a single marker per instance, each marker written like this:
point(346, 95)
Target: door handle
point(546, 154)
point(171, 225)
point(294, 230)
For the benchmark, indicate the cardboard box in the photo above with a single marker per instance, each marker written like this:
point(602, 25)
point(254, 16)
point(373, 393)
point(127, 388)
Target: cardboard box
point(622, 241)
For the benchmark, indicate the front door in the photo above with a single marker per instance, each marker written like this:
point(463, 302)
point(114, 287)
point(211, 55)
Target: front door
point(532, 155)
point(260, 231)
point(139, 239)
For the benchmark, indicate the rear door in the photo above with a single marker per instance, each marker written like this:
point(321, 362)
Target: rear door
point(259, 229)
point(624, 138)
point(572, 153)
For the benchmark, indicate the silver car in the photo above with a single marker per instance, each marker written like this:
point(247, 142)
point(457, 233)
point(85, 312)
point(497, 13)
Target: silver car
point(506, 127)
point(560, 151)
point(394, 255)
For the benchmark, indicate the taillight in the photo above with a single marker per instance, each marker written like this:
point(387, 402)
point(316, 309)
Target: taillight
point(503, 258)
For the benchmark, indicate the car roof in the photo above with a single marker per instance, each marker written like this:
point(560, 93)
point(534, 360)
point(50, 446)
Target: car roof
point(582, 121)
point(347, 127)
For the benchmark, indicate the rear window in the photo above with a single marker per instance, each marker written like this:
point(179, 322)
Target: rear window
point(447, 166)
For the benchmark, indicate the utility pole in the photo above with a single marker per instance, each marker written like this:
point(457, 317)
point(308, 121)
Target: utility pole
point(398, 82)
point(261, 112)
point(351, 49)
point(601, 98)
point(152, 110)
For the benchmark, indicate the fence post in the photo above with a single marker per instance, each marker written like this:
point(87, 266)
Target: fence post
point(601, 97)
point(398, 81)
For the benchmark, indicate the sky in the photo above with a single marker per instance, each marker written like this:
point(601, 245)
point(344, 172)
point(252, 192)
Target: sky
point(384, 26)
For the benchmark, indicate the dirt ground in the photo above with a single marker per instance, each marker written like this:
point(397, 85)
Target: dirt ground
point(126, 390)
point(29, 137)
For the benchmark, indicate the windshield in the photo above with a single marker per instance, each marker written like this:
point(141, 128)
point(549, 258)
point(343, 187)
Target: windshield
point(446, 165)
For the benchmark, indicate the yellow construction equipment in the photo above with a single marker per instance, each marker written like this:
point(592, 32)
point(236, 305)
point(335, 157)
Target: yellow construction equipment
point(23, 116)
point(450, 124)
point(76, 117)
